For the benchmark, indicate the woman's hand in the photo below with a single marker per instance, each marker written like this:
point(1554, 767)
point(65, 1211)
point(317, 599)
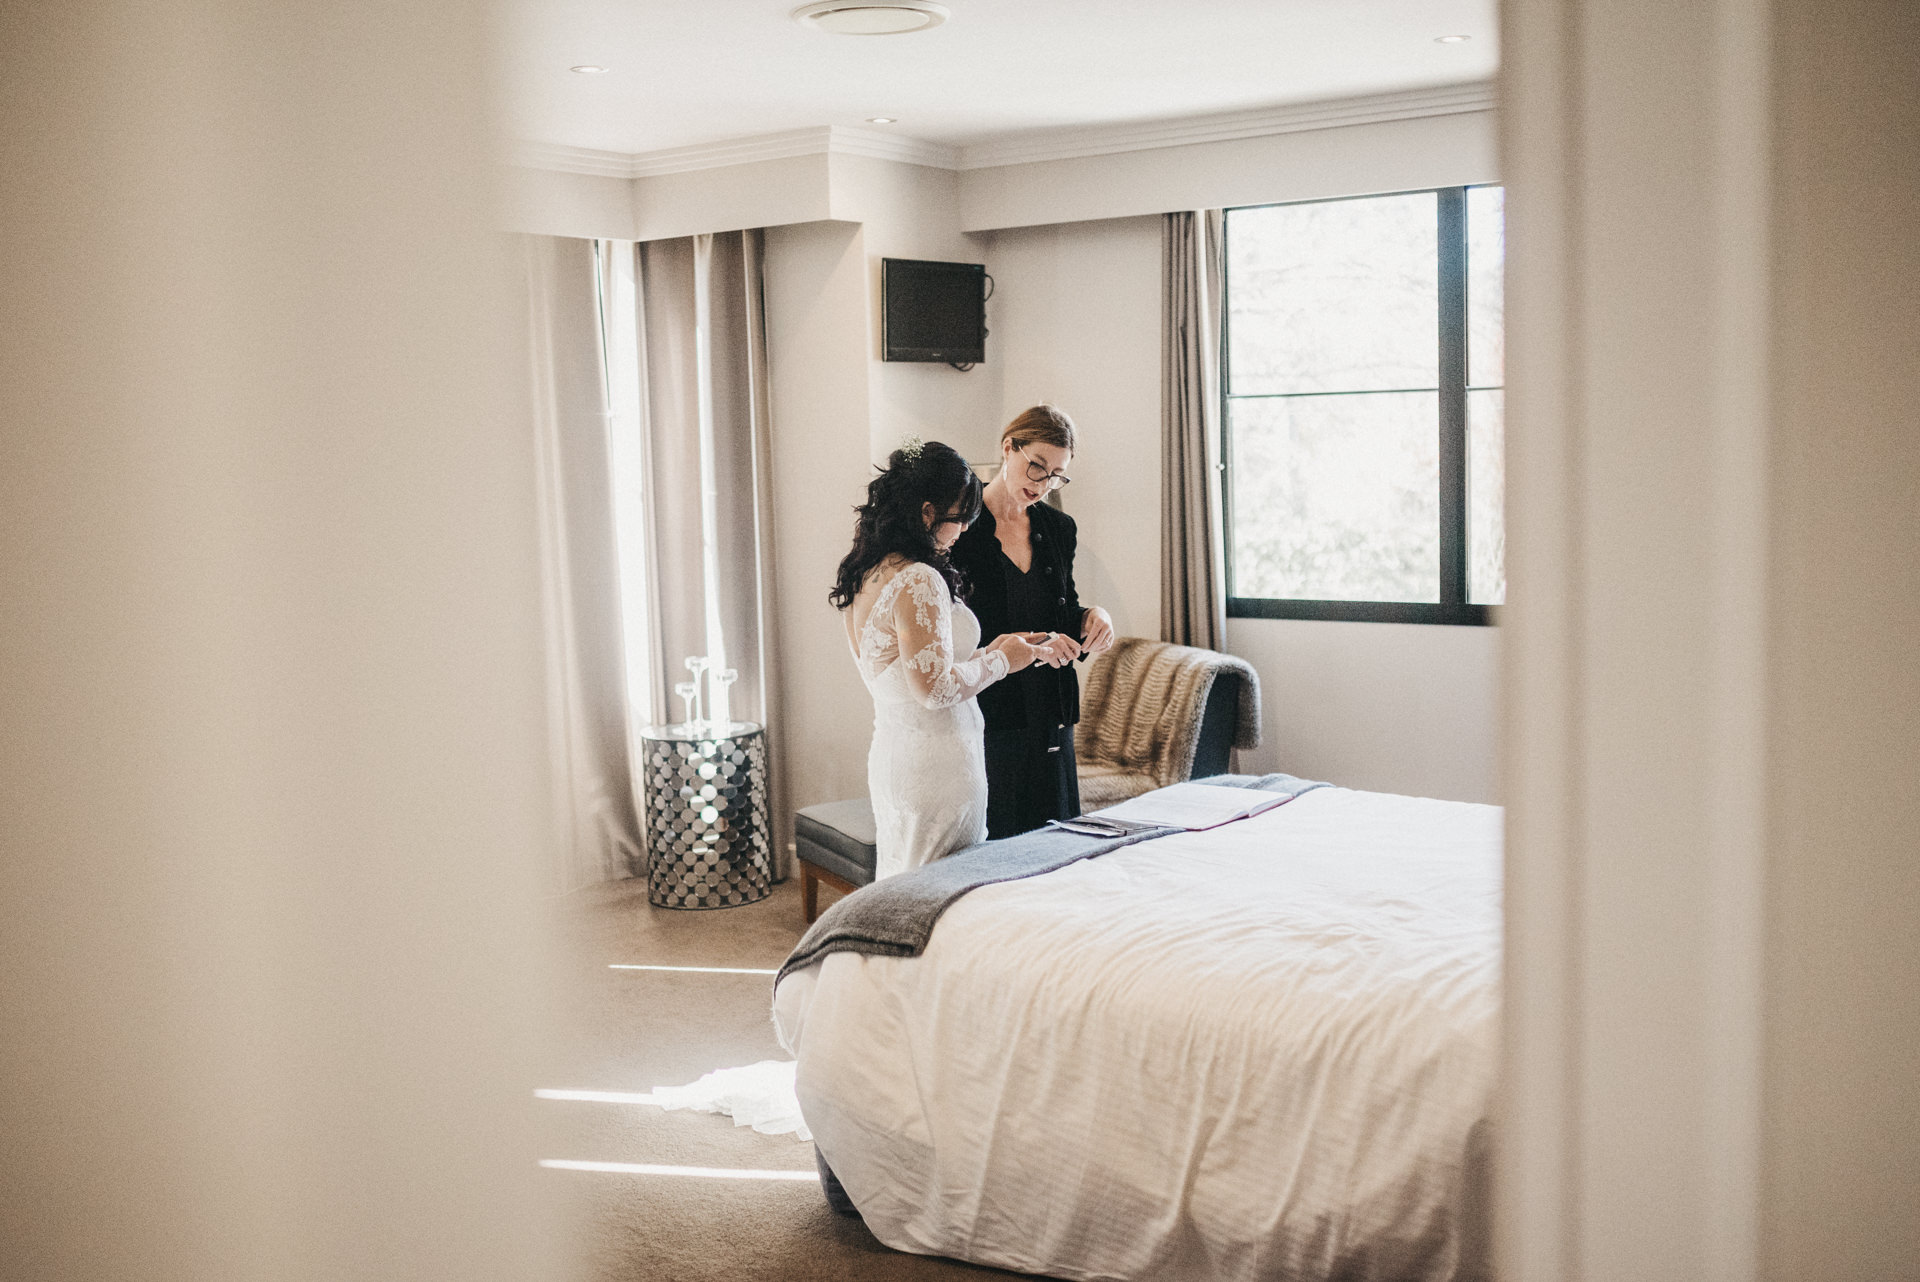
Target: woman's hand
point(1096, 625)
point(1025, 648)
point(1057, 648)
point(1018, 650)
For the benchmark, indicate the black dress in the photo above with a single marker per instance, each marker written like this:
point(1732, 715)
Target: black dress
point(1031, 773)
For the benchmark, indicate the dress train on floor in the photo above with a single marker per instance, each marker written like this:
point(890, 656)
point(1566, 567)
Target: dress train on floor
point(757, 1095)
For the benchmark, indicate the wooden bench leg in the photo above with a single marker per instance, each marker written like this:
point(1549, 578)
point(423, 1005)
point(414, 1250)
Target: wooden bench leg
point(811, 879)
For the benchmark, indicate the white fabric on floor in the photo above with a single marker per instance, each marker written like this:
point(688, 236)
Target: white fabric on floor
point(1261, 1051)
point(757, 1095)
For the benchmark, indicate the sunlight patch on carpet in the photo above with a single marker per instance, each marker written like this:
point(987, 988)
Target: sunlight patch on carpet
point(698, 1172)
point(600, 1097)
point(697, 970)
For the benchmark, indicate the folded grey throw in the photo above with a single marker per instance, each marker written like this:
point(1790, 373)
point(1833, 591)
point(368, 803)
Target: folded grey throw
point(895, 916)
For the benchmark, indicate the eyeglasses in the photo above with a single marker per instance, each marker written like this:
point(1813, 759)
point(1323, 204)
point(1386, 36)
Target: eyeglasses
point(1038, 472)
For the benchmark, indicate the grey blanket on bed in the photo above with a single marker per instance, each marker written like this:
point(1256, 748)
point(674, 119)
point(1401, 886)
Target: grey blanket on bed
point(895, 916)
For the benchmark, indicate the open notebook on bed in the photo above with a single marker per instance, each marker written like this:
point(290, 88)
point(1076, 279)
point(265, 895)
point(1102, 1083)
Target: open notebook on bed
point(1192, 806)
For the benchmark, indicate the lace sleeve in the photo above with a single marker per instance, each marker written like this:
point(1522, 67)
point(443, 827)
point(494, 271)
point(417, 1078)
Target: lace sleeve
point(923, 622)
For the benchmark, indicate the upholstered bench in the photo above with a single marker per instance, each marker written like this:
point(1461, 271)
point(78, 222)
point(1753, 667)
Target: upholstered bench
point(835, 842)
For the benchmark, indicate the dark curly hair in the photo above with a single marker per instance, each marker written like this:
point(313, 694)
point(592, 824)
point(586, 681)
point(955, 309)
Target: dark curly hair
point(891, 521)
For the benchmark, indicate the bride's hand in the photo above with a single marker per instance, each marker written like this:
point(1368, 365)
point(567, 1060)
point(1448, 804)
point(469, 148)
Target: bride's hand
point(1022, 649)
point(1019, 651)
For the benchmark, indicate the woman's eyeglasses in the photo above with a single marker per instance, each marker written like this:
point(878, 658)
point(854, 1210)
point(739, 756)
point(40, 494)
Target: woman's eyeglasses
point(1038, 472)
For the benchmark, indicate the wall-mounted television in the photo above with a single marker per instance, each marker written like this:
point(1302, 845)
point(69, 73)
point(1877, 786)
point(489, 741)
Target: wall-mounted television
point(934, 311)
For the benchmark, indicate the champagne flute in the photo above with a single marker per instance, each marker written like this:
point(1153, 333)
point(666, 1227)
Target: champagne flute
point(718, 706)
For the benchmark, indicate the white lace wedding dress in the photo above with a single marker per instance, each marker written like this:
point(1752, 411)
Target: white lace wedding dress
point(919, 654)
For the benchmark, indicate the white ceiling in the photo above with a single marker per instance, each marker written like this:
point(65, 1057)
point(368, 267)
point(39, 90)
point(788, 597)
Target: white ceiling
point(694, 72)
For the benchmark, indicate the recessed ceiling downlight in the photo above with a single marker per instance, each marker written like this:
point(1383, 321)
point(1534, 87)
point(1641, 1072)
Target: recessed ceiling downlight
point(872, 17)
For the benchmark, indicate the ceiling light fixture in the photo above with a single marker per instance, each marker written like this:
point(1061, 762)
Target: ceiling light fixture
point(882, 120)
point(589, 70)
point(1451, 40)
point(872, 17)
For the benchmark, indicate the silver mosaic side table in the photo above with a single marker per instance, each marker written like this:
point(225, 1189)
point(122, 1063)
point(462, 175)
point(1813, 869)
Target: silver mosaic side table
point(708, 838)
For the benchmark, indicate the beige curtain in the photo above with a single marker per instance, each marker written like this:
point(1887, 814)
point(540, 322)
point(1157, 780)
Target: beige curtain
point(597, 832)
point(1193, 607)
point(706, 414)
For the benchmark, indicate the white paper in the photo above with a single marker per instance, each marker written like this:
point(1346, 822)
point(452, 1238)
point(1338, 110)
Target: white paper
point(1192, 806)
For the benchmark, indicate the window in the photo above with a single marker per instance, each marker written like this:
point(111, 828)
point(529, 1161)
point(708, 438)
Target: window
point(1361, 374)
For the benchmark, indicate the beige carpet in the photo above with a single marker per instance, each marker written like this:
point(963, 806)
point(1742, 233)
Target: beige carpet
point(634, 1030)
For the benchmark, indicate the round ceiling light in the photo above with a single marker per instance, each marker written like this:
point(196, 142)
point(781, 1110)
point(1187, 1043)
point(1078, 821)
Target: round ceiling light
point(588, 69)
point(872, 17)
point(1451, 40)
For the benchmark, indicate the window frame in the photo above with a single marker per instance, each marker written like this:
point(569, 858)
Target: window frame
point(1453, 607)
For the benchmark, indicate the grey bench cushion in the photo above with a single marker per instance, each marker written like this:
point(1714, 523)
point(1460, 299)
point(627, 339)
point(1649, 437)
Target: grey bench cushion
point(838, 836)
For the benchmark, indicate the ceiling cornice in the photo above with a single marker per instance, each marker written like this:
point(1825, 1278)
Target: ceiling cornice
point(1052, 144)
point(570, 160)
point(837, 139)
point(734, 151)
point(1106, 140)
point(891, 146)
point(673, 160)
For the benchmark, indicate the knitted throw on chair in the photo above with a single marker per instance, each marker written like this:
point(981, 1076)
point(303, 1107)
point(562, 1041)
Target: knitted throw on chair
point(1140, 713)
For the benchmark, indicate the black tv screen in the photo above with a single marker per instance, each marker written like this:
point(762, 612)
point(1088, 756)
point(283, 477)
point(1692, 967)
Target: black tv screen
point(934, 311)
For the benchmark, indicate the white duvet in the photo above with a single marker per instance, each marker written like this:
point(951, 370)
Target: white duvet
point(1263, 1051)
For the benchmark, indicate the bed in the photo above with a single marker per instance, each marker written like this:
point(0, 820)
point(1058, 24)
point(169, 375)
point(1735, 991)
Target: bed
point(1261, 1051)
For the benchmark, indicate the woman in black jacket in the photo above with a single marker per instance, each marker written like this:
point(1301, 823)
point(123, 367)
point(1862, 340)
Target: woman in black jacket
point(1018, 560)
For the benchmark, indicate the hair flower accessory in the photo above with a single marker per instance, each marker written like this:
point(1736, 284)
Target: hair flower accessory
point(911, 447)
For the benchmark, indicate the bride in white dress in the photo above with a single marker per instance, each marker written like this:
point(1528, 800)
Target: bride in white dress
point(918, 649)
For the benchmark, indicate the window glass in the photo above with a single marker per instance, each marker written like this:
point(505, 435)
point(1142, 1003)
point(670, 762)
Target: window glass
point(1336, 498)
point(1486, 497)
point(1334, 297)
point(1486, 285)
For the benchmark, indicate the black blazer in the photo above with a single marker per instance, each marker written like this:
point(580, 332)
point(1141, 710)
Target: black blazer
point(1037, 696)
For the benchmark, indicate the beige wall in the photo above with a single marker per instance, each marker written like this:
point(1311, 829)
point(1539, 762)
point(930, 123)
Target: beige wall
point(545, 202)
point(765, 193)
point(817, 304)
point(273, 756)
point(1713, 704)
point(1840, 1167)
point(907, 211)
point(1383, 706)
point(1076, 322)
